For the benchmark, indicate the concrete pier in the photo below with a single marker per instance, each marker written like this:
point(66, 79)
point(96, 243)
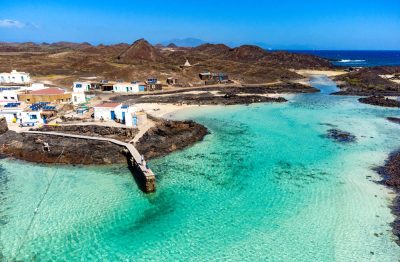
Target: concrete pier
point(144, 176)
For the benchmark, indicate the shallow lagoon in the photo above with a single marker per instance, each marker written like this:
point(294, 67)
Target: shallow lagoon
point(266, 184)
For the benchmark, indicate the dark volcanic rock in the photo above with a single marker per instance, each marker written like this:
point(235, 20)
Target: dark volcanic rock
point(164, 138)
point(341, 136)
point(379, 101)
point(3, 126)
point(30, 147)
point(391, 177)
point(120, 133)
point(209, 99)
point(368, 81)
point(169, 136)
point(227, 95)
point(394, 119)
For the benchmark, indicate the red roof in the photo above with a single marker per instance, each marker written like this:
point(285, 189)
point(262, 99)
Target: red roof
point(111, 105)
point(48, 91)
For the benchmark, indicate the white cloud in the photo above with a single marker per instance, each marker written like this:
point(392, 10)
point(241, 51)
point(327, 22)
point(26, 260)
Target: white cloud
point(8, 23)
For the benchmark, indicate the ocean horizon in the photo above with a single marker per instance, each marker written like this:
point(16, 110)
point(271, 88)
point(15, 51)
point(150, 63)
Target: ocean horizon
point(357, 58)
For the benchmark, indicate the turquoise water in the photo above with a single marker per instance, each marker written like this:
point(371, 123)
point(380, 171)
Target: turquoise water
point(265, 185)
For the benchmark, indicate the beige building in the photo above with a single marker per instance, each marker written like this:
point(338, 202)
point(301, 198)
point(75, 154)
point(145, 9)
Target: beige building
point(52, 95)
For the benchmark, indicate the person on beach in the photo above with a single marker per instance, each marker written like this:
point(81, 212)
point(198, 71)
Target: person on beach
point(142, 159)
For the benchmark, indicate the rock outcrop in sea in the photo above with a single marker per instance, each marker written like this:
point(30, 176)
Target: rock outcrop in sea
point(379, 101)
point(164, 138)
point(391, 177)
point(341, 136)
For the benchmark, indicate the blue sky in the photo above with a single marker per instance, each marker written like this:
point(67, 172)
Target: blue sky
point(287, 24)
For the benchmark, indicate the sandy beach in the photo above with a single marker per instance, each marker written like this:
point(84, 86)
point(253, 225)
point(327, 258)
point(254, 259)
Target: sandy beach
point(328, 73)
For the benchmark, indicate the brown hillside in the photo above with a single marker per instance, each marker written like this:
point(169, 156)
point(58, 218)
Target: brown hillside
point(64, 62)
point(140, 50)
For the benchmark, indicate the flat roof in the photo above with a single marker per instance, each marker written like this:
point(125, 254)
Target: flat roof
point(48, 91)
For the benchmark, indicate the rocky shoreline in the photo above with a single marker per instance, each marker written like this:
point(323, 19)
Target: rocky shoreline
point(379, 101)
point(219, 95)
point(207, 99)
point(369, 81)
point(164, 138)
point(390, 173)
point(123, 134)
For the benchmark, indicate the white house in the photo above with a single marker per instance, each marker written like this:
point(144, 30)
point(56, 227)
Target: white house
point(11, 114)
point(115, 111)
point(78, 98)
point(31, 117)
point(15, 77)
point(126, 114)
point(106, 111)
point(8, 96)
point(18, 115)
point(78, 94)
point(81, 87)
point(126, 87)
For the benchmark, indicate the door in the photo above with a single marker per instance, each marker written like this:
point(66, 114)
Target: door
point(112, 115)
point(123, 117)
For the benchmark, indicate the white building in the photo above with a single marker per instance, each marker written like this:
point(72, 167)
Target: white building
point(20, 116)
point(126, 87)
point(11, 114)
point(106, 111)
point(78, 94)
point(126, 114)
point(8, 96)
point(31, 117)
point(78, 98)
point(15, 77)
point(81, 87)
point(116, 111)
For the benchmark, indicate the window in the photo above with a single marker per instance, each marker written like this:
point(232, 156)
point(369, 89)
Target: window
point(78, 85)
point(33, 117)
point(12, 98)
point(28, 100)
point(5, 98)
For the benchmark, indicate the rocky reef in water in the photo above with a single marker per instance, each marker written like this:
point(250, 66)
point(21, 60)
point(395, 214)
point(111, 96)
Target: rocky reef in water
point(168, 136)
point(394, 119)
point(379, 101)
point(391, 178)
point(164, 138)
point(341, 136)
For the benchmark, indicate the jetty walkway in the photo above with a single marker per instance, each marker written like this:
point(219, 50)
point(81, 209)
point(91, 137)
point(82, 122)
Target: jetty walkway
point(143, 174)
